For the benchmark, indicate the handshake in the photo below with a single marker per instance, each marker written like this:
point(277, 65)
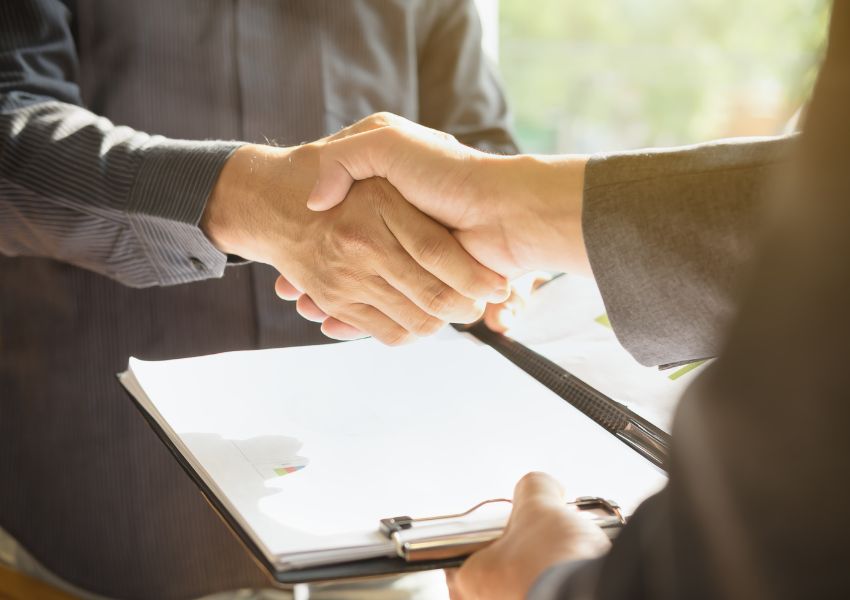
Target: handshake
point(392, 229)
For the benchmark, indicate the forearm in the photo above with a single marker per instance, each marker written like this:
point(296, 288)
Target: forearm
point(665, 233)
point(76, 188)
point(538, 201)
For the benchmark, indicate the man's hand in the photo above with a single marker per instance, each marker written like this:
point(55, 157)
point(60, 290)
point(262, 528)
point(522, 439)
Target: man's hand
point(513, 213)
point(502, 317)
point(541, 532)
point(376, 264)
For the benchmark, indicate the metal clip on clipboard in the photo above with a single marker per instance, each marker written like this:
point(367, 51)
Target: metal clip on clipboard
point(438, 538)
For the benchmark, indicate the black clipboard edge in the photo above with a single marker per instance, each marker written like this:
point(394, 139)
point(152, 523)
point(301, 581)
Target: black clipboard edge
point(372, 567)
point(605, 411)
point(614, 417)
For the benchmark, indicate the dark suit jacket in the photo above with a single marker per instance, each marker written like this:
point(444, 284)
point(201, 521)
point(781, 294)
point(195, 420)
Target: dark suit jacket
point(90, 207)
point(756, 506)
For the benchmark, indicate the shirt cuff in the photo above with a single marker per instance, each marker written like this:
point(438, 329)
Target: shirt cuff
point(174, 180)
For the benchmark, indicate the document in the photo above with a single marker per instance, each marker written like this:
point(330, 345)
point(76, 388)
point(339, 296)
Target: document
point(565, 321)
point(309, 448)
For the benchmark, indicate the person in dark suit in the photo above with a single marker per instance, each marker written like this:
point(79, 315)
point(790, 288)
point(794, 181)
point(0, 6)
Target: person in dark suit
point(119, 204)
point(739, 249)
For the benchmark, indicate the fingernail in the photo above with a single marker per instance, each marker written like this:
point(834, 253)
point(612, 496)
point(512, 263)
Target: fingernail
point(499, 296)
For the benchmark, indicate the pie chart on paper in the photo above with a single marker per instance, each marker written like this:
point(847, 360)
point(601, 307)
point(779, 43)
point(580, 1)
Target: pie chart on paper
point(281, 471)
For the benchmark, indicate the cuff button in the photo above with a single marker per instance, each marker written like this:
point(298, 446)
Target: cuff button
point(198, 264)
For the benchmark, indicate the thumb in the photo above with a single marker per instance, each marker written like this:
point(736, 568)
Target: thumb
point(346, 160)
point(537, 490)
point(331, 187)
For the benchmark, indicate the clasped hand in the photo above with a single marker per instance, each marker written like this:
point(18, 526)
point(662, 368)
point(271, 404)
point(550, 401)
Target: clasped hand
point(364, 259)
point(513, 214)
point(375, 265)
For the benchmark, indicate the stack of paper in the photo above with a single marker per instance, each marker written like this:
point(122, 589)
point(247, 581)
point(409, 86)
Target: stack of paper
point(565, 321)
point(308, 448)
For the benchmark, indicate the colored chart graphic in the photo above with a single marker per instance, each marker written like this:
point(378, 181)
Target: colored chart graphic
point(686, 369)
point(604, 321)
point(271, 456)
point(281, 471)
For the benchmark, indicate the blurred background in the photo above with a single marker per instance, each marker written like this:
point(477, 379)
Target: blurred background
point(615, 75)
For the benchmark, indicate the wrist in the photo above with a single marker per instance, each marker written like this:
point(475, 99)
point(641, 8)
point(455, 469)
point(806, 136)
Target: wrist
point(241, 212)
point(221, 221)
point(538, 200)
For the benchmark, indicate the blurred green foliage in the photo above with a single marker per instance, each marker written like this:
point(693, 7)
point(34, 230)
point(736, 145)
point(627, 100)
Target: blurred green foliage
point(616, 74)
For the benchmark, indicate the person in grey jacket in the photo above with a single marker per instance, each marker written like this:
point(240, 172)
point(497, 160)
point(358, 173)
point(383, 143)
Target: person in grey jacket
point(739, 249)
point(114, 189)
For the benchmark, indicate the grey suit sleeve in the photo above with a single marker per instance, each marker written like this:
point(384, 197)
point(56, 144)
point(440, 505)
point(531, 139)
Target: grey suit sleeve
point(459, 92)
point(763, 431)
point(75, 187)
point(668, 232)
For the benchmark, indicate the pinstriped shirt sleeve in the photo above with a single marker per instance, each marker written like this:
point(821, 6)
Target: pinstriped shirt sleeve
point(79, 189)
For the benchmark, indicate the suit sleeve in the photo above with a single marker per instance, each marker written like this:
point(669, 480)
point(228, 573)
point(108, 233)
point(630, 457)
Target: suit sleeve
point(459, 92)
point(761, 437)
point(668, 233)
point(77, 188)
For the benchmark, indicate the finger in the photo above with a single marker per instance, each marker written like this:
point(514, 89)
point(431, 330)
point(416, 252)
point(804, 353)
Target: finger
point(537, 490)
point(332, 184)
point(308, 309)
point(423, 289)
point(285, 290)
point(337, 330)
point(439, 253)
point(500, 317)
point(341, 162)
point(398, 307)
point(496, 317)
point(373, 121)
point(334, 179)
point(370, 321)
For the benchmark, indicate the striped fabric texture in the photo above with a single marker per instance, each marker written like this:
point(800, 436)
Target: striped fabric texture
point(111, 118)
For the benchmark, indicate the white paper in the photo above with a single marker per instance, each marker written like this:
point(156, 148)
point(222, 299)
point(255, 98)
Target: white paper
point(371, 432)
point(565, 321)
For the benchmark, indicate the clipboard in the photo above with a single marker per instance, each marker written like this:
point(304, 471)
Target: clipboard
point(645, 438)
point(417, 548)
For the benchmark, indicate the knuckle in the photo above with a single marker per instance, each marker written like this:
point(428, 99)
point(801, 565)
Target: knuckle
point(384, 118)
point(432, 251)
point(354, 241)
point(381, 116)
point(478, 283)
point(396, 337)
point(433, 327)
point(447, 137)
point(327, 299)
point(440, 300)
point(427, 325)
point(349, 276)
point(394, 132)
